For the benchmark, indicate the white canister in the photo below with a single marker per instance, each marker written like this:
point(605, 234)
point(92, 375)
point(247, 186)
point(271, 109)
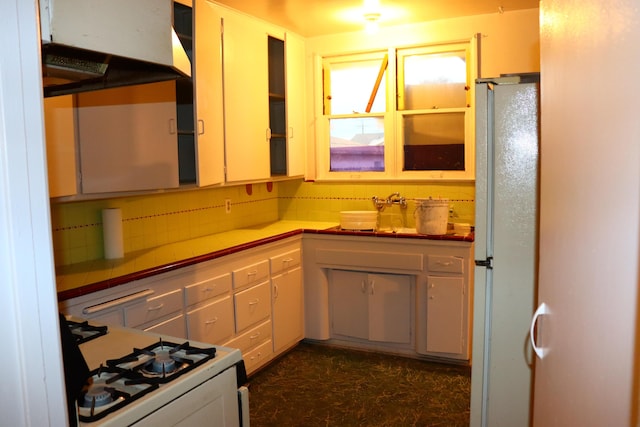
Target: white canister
point(431, 216)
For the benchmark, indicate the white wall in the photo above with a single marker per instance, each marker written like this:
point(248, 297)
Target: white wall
point(510, 44)
point(510, 41)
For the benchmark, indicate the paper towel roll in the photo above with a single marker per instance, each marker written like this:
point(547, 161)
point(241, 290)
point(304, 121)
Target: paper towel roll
point(112, 233)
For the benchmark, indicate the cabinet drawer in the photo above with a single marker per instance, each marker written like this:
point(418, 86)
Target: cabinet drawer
point(251, 338)
point(206, 289)
point(173, 327)
point(153, 308)
point(252, 305)
point(254, 273)
point(445, 264)
point(212, 323)
point(258, 356)
point(285, 261)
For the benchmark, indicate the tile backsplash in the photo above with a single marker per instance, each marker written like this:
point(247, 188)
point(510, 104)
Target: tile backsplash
point(157, 219)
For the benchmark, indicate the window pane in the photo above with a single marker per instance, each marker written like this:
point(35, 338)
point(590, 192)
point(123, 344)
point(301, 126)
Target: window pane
point(352, 84)
point(357, 144)
point(435, 80)
point(434, 141)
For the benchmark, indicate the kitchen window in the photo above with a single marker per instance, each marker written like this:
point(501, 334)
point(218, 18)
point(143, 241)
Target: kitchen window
point(401, 113)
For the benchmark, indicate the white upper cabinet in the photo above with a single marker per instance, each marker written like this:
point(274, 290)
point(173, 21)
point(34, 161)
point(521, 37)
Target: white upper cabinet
point(263, 100)
point(246, 94)
point(296, 132)
point(127, 138)
point(228, 123)
point(59, 117)
point(199, 99)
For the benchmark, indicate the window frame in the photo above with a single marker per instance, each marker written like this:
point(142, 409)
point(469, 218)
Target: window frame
point(393, 119)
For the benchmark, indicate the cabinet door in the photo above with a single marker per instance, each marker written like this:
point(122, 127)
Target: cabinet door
point(246, 99)
point(296, 131)
point(127, 138)
point(349, 302)
point(445, 316)
point(389, 308)
point(287, 309)
point(59, 118)
point(207, 78)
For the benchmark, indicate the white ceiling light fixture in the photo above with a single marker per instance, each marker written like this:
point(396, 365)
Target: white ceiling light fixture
point(371, 15)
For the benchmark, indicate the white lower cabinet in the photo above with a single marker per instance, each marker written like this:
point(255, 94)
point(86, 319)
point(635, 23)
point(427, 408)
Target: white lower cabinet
point(402, 296)
point(287, 309)
point(445, 315)
point(373, 307)
point(251, 300)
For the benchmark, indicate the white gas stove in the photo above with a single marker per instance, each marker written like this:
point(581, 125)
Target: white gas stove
point(142, 378)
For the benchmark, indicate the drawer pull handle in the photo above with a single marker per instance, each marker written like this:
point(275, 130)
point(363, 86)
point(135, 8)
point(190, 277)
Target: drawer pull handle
point(254, 302)
point(252, 273)
point(211, 321)
point(155, 308)
point(254, 336)
point(286, 261)
point(275, 291)
point(209, 288)
point(445, 263)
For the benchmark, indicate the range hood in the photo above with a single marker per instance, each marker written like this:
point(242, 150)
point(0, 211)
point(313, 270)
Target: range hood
point(97, 44)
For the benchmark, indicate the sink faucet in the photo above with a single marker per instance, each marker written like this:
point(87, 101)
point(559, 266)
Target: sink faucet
point(392, 199)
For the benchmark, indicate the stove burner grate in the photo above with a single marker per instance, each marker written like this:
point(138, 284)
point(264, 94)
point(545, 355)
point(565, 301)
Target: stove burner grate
point(83, 331)
point(108, 389)
point(163, 361)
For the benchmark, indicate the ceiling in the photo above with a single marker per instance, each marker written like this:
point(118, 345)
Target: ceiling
point(311, 18)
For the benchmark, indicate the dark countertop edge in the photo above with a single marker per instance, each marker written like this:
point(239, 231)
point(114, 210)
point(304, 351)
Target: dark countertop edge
point(385, 234)
point(121, 280)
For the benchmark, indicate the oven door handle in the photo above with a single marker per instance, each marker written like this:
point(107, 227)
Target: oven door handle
point(118, 301)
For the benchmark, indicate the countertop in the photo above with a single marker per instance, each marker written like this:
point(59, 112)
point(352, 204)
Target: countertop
point(92, 276)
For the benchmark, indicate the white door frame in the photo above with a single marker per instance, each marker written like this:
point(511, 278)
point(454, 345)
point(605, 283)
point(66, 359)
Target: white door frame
point(31, 362)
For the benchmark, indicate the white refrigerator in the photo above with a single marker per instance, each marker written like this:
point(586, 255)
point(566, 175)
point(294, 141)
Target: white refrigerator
point(506, 236)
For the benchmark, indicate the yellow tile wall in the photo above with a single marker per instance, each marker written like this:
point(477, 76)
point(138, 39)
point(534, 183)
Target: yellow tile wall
point(324, 201)
point(157, 219)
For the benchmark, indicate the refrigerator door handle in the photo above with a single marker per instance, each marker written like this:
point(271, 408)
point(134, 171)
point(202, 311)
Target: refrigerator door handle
point(542, 309)
point(485, 262)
